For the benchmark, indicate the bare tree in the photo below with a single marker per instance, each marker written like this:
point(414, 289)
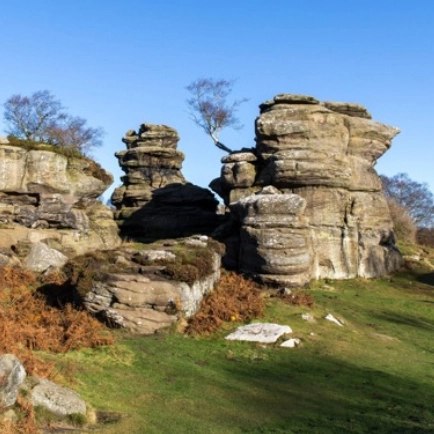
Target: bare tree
point(75, 134)
point(209, 107)
point(42, 118)
point(414, 197)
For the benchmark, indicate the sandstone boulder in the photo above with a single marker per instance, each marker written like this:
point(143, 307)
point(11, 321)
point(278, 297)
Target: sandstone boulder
point(12, 375)
point(56, 399)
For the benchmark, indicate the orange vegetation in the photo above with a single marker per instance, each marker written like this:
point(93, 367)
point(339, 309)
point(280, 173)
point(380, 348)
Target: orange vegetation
point(234, 298)
point(28, 323)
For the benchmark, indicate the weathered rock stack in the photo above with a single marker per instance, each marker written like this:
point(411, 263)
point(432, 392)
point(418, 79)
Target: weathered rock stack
point(325, 153)
point(155, 201)
point(275, 238)
point(47, 195)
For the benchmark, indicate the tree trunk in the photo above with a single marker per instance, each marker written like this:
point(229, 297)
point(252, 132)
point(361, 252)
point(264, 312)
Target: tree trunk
point(223, 147)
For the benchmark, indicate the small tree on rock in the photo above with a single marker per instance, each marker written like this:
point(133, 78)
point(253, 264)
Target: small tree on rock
point(42, 118)
point(209, 107)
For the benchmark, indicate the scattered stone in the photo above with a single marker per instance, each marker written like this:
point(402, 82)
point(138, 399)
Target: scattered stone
point(259, 332)
point(291, 343)
point(12, 375)
point(56, 399)
point(284, 291)
point(42, 257)
point(331, 318)
point(308, 317)
point(155, 255)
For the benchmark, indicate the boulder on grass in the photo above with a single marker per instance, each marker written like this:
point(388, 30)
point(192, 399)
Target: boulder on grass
point(12, 375)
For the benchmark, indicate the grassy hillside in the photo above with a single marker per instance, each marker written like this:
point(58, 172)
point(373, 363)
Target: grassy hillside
point(373, 375)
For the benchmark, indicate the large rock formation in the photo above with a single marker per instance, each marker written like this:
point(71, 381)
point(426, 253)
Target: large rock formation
point(47, 195)
point(325, 153)
point(155, 201)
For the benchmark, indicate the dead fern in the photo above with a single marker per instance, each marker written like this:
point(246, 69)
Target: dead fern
point(234, 298)
point(298, 298)
point(28, 323)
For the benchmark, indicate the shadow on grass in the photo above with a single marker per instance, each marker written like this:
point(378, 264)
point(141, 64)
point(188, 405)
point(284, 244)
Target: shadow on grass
point(277, 391)
point(321, 395)
point(407, 320)
point(427, 278)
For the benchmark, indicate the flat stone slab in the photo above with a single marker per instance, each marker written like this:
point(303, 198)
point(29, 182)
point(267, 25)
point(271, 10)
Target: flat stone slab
point(266, 333)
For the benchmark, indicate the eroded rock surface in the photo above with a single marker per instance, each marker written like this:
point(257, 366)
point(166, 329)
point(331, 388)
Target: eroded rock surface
point(147, 290)
point(325, 153)
point(48, 195)
point(155, 201)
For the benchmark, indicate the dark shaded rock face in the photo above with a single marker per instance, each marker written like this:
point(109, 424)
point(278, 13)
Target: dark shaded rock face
point(155, 201)
point(325, 154)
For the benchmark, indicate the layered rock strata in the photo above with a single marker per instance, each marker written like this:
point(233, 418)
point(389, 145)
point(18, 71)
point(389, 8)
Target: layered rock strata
point(324, 153)
point(275, 242)
point(47, 195)
point(143, 298)
point(155, 201)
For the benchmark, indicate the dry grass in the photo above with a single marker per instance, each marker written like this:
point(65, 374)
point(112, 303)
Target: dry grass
point(298, 298)
point(234, 298)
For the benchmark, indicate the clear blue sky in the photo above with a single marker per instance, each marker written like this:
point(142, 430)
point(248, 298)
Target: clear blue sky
point(119, 63)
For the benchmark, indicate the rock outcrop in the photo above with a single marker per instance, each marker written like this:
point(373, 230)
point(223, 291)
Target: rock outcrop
point(155, 201)
point(146, 290)
point(324, 153)
point(47, 195)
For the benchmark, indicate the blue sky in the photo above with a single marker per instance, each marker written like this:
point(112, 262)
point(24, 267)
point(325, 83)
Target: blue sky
point(119, 63)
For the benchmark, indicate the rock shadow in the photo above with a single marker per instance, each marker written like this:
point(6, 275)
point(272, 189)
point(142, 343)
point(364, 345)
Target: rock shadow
point(174, 211)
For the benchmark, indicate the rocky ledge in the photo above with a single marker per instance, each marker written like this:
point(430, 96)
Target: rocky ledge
point(149, 288)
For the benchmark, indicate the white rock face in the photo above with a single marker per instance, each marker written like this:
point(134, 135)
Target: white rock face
point(266, 333)
point(291, 343)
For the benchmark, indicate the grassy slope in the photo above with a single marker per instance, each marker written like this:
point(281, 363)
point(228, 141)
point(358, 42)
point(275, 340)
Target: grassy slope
point(374, 375)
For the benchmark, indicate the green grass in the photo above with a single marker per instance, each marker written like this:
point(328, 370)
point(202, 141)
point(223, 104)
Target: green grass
point(374, 375)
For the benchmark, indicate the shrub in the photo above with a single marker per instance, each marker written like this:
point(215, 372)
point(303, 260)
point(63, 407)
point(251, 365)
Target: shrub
point(404, 226)
point(28, 323)
point(234, 298)
point(425, 236)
